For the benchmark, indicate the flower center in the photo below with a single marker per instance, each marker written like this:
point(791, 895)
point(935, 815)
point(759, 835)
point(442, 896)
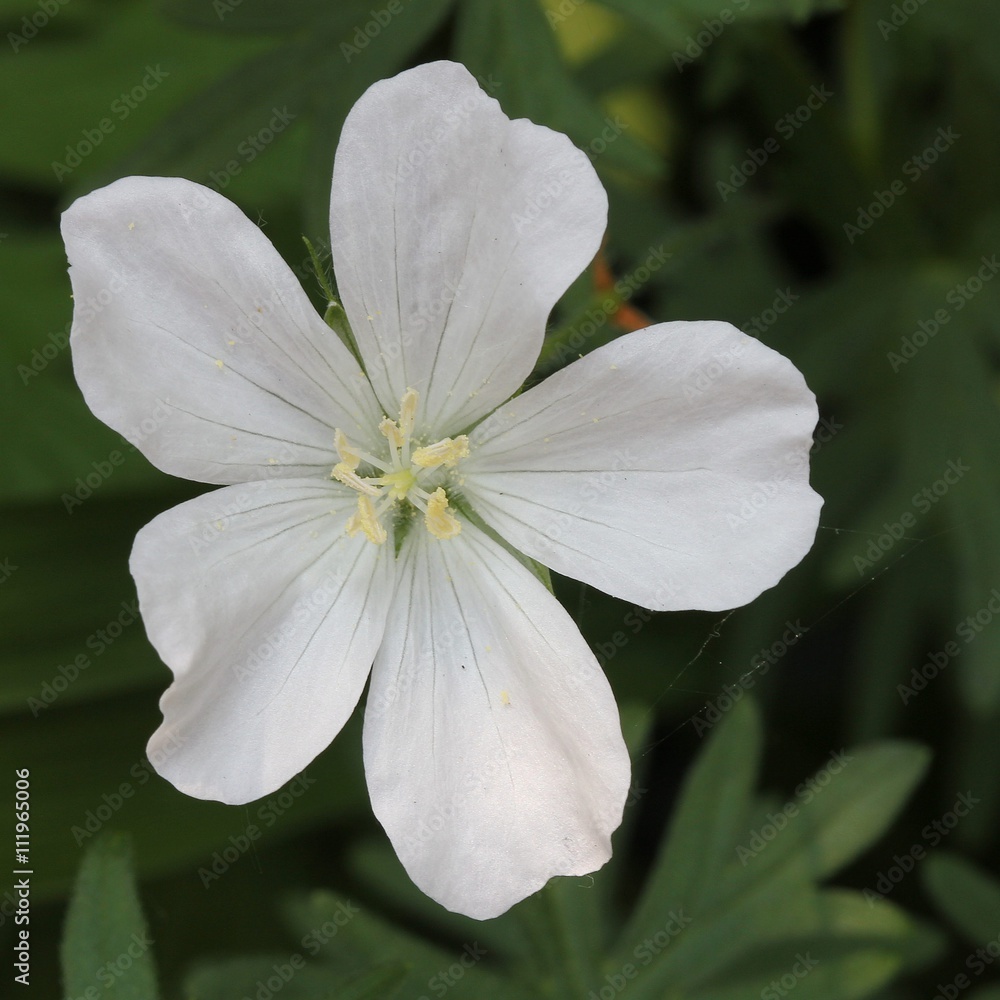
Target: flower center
point(405, 476)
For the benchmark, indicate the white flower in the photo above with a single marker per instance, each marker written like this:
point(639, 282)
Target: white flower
point(373, 516)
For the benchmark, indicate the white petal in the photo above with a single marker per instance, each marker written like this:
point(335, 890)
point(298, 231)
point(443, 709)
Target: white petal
point(493, 750)
point(269, 617)
point(455, 230)
point(669, 468)
point(193, 339)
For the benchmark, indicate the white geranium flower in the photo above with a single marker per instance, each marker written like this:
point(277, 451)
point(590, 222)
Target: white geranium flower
point(372, 519)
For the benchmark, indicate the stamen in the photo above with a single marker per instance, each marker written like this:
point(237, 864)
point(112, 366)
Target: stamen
point(408, 412)
point(391, 432)
point(440, 521)
point(366, 520)
point(445, 452)
point(345, 474)
point(348, 456)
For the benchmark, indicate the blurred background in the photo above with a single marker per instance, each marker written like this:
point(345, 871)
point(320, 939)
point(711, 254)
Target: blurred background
point(814, 807)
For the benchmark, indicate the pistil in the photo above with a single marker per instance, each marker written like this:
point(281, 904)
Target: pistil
point(400, 479)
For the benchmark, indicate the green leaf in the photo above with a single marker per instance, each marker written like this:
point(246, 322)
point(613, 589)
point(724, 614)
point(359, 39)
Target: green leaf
point(264, 16)
point(106, 951)
point(708, 820)
point(967, 895)
point(382, 983)
point(844, 808)
point(353, 938)
point(843, 948)
point(80, 72)
point(297, 976)
point(953, 449)
point(731, 879)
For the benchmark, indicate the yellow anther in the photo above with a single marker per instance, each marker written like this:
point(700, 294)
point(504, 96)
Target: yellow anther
point(346, 475)
point(390, 431)
point(408, 412)
point(440, 521)
point(445, 452)
point(348, 456)
point(367, 521)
